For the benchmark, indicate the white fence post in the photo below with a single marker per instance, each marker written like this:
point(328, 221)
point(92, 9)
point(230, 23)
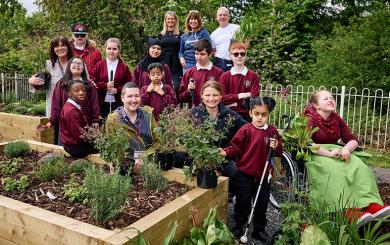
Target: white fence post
point(2, 88)
point(16, 86)
point(342, 101)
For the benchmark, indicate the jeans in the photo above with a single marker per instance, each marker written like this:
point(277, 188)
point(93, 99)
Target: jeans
point(225, 65)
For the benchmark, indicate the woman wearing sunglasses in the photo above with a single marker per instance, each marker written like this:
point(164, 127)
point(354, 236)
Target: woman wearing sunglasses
point(239, 83)
point(84, 48)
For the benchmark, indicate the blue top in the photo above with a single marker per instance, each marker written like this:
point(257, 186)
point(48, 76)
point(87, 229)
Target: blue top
point(187, 43)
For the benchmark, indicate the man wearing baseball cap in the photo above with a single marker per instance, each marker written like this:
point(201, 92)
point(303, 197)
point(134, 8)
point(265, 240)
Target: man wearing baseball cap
point(84, 48)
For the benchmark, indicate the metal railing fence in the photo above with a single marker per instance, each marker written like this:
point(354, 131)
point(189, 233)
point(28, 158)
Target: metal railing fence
point(366, 111)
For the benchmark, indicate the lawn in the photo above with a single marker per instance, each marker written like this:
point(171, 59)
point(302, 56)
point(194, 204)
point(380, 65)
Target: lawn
point(379, 158)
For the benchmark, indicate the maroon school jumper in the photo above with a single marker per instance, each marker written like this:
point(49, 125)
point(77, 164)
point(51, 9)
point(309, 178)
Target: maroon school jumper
point(141, 77)
point(72, 120)
point(90, 106)
point(100, 76)
point(156, 101)
point(90, 55)
point(250, 145)
point(232, 85)
point(200, 77)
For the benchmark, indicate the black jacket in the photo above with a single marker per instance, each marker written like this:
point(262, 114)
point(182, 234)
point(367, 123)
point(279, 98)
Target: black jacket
point(224, 113)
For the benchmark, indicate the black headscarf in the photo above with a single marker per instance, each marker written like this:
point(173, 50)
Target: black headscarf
point(147, 60)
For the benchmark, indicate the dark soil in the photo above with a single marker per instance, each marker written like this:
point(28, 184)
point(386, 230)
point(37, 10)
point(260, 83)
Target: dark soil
point(384, 190)
point(141, 201)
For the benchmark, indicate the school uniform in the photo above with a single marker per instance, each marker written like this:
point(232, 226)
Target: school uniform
point(251, 145)
point(141, 76)
point(234, 82)
point(72, 121)
point(200, 75)
point(156, 101)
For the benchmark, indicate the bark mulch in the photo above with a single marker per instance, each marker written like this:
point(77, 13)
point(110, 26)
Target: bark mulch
point(141, 201)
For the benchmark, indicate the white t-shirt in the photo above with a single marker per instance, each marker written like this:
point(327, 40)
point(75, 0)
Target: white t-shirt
point(220, 39)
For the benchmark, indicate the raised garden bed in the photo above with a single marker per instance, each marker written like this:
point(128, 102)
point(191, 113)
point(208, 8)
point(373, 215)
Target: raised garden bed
point(22, 223)
point(14, 126)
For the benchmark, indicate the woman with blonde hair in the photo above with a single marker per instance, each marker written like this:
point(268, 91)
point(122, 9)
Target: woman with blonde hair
point(170, 38)
point(194, 32)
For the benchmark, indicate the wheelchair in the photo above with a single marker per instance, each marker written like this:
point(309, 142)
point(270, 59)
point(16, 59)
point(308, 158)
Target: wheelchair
point(289, 178)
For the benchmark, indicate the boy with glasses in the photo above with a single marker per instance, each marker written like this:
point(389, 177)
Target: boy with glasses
point(84, 48)
point(239, 83)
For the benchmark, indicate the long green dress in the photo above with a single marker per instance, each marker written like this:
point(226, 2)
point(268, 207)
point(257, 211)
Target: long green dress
point(341, 184)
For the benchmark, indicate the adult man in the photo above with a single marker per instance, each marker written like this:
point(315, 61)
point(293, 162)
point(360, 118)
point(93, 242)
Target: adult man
point(84, 48)
point(221, 38)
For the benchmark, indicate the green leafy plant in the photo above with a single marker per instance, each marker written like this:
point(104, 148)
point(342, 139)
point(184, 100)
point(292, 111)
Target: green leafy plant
point(75, 192)
point(298, 137)
point(187, 176)
point(50, 168)
point(199, 143)
point(38, 110)
point(165, 130)
point(11, 184)
point(152, 175)
point(169, 240)
point(79, 165)
point(16, 149)
point(22, 110)
point(113, 146)
point(107, 193)
point(9, 167)
point(9, 108)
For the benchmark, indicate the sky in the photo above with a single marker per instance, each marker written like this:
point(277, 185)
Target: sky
point(29, 5)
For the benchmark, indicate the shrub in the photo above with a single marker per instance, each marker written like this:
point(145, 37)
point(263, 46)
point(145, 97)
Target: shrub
point(107, 193)
point(51, 168)
point(79, 166)
point(152, 176)
point(9, 167)
point(38, 110)
point(75, 192)
point(22, 110)
point(11, 184)
point(26, 103)
point(16, 149)
point(9, 108)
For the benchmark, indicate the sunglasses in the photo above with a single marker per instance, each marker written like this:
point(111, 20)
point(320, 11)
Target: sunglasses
point(242, 54)
point(79, 35)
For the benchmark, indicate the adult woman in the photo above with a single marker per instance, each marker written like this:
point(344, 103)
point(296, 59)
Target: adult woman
point(110, 75)
point(170, 38)
point(337, 172)
point(228, 121)
point(75, 70)
point(141, 76)
point(138, 122)
point(194, 32)
point(60, 52)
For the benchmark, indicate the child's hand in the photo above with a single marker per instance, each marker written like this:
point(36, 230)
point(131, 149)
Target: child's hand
point(110, 85)
point(273, 143)
point(150, 88)
point(344, 154)
point(113, 91)
point(222, 152)
point(191, 86)
point(158, 90)
point(334, 153)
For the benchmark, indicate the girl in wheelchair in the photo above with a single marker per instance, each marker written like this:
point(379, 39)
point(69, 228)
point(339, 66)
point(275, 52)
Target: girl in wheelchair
point(251, 145)
point(338, 172)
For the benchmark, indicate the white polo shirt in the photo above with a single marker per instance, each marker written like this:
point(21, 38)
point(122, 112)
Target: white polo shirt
point(220, 39)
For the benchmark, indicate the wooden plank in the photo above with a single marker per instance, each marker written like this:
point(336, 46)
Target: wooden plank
point(4, 241)
point(158, 224)
point(7, 134)
point(21, 121)
point(25, 224)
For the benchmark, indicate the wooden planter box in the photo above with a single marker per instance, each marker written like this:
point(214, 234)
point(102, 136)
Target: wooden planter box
point(13, 126)
point(22, 223)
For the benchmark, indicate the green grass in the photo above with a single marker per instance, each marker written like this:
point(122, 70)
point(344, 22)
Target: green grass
point(379, 158)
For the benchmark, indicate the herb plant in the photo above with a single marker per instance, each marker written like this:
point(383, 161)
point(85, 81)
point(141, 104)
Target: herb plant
point(16, 149)
point(107, 193)
point(51, 168)
point(12, 184)
point(152, 175)
point(79, 165)
point(75, 192)
point(9, 167)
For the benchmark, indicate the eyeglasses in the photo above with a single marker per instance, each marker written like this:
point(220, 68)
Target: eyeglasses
point(242, 54)
point(77, 63)
point(79, 35)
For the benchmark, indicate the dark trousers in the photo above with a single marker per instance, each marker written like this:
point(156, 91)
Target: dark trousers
point(225, 65)
point(80, 150)
point(176, 77)
point(245, 188)
point(105, 109)
point(56, 129)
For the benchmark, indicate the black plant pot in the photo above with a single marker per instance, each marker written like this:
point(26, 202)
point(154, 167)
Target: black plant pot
point(182, 159)
point(165, 160)
point(206, 179)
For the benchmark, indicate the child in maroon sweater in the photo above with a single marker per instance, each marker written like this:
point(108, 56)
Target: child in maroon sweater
point(251, 145)
point(73, 120)
point(240, 82)
point(194, 78)
point(157, 94)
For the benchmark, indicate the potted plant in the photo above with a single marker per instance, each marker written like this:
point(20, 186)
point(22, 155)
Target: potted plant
point(201, 147)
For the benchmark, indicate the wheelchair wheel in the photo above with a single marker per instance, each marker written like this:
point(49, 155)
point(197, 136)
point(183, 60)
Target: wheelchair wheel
point(284, 182)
